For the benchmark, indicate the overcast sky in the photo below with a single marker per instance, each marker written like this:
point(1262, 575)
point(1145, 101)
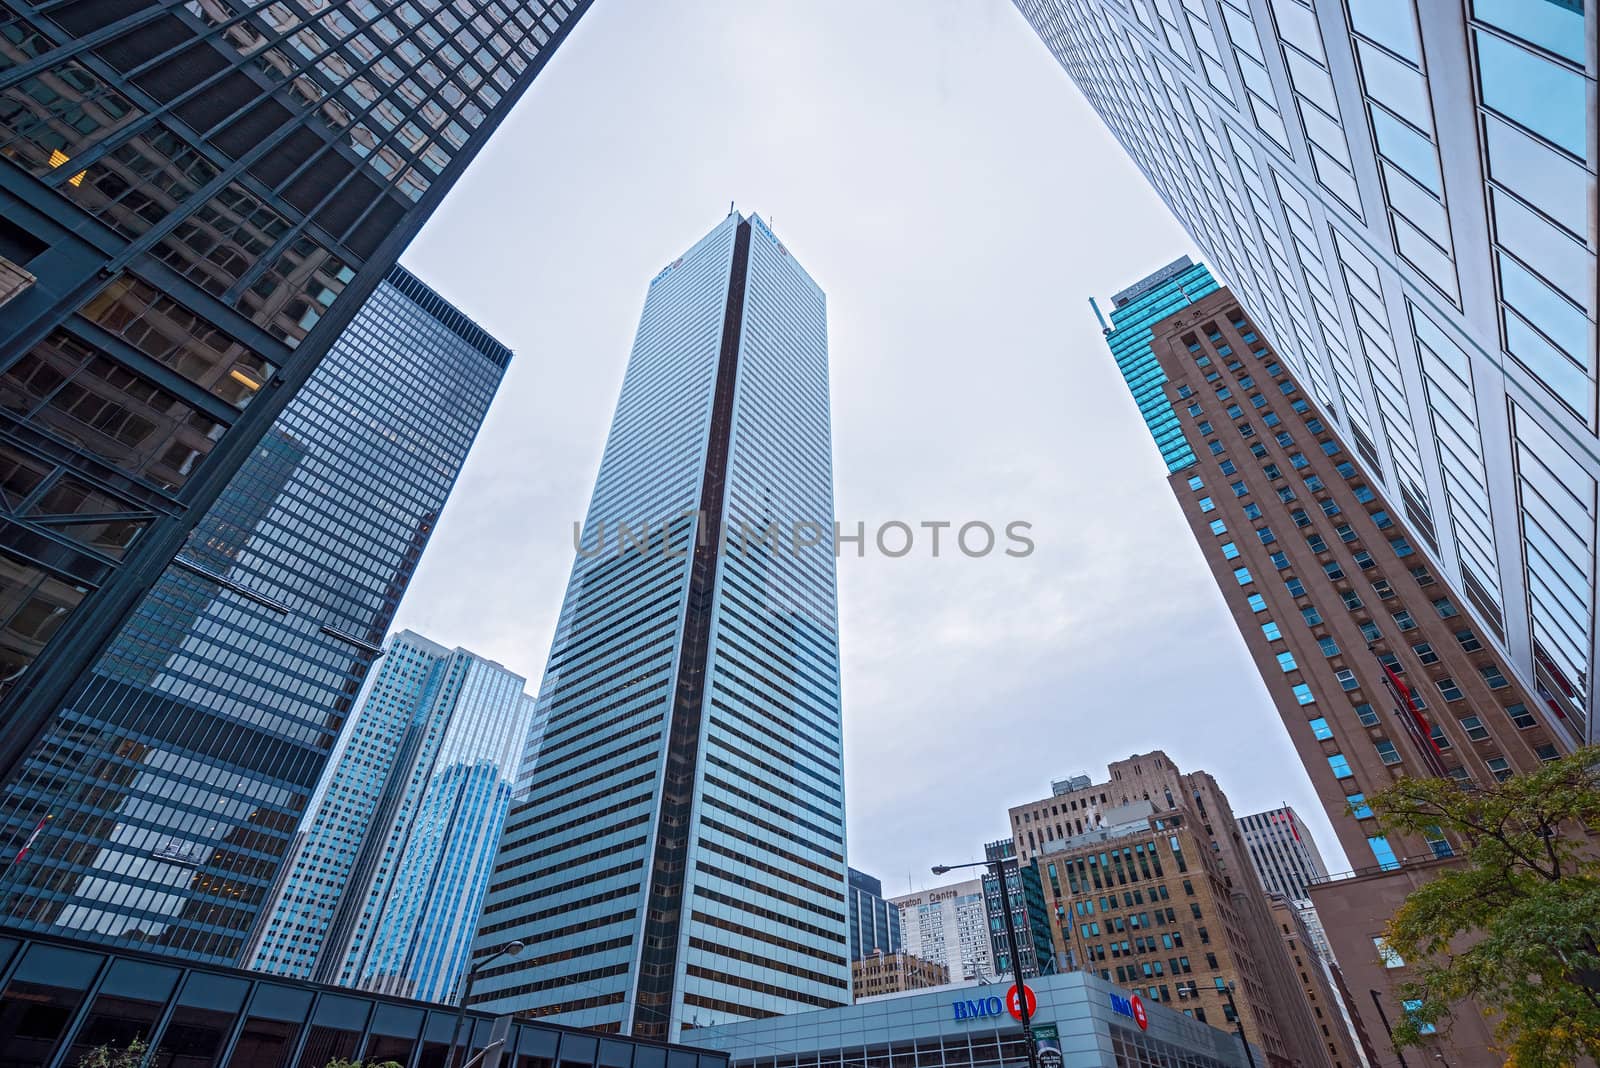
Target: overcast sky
point(942, 179)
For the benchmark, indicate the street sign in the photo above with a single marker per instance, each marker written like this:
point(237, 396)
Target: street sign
point(1047, 1041)
point(1045, 1031)
point(1014, 1006)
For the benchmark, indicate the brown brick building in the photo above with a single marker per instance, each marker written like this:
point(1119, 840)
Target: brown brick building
point(895, 973)
point(1152, 887)
point(1316, 983)
point(1373, 661)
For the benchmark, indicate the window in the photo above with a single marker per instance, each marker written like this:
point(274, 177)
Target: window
point(1499, 768)
point(1286, 495)
point(1302, 694)
point(1230, 551)
point(1298, 460)
point(1272, 471)
point(1386, 953)
point(1363, 492)
point(1207, 505)
point(1311, 616)
point(1437, 842)
point(1284, 439)
point(1270, 630)
point(1196, 482)
point(1280, 561)
point(1425, 653)
point(1271, 419)
point(1215, 447)
point(1235, 412)
point(1385, 591)
point(1227, 467)
point(1316, 427)
point(1468, 641)
point(1346, 532)
point(1351, 601)
point(1205, 428)
point(1359, 807)
point(1448, 687)
point(1218, 527)
point(1370, 631)
point(1252, 511)
point(1521, 718)
point(1316, 543)
point(1223, 393)
point(1300, 518)
point(1364, 560)
point(1401, 546)
point(1440, 739)
point(1286, 662)
point(1265, 535)
point(1423, 576)
point(1194, 409)
point(1445, 608)
point(1404, 621)
point(1413, 1006)
point(1239, 489)
point(1328, 646)
point(1320, 729)
point(1474, 728)
point(1546, 752)
point(1296, 589)
point(1333, 570)
point(1241, 575)
point(1258, 603)
point(1366, 715)
point(1382, 519)
point(1340, 766)
point(1257, 400)
point(1331, 448)
point(1386, 751)
point(1347, 679)
point(1383, 852)
point(1184, 392)
point(1313, 483)
point(1392, 662)
point(1494, 678)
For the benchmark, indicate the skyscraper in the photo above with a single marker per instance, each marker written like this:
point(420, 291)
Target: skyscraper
point(195, 200)
point(874, 923)
point(390, 867)
point(163, 798)
point(1285, 855)
point(1366, 649)
point(1029, 916)
point(1133, 312)
point(679, 857)
point(1404, 207)
point(949, 925)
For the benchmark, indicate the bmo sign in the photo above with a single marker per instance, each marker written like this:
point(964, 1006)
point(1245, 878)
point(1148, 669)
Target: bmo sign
point(983, 1008)
point(1132, 1008)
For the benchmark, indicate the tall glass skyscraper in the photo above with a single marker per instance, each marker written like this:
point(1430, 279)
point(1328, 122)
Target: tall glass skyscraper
point(679, 857)
point(195, 199)
point(160, 803)
point(392, 862)
point(874, 922)
point(1133, 311)
point(1405, 207)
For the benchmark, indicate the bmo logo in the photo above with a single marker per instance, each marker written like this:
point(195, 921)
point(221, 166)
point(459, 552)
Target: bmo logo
point(978, 1009)
point(1132, 1008)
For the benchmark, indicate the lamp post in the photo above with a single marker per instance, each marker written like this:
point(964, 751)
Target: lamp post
point(1238, 1021)
point(998, 866)
point(510, 949)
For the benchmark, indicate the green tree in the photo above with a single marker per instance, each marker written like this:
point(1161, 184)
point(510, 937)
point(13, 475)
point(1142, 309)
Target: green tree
point(1514, 925)
point(133, 1055)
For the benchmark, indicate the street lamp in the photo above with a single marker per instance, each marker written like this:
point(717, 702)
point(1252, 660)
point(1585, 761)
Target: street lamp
point(998, 866)
point(510, 949)
point(1238, 1021)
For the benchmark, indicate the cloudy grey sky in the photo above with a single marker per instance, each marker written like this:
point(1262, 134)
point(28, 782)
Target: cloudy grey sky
point(942, 179)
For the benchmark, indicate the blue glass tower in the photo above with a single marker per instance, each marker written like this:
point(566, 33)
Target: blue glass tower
point(874, 922)
point(390, 867)
point(678, 859)
point(162, 800)
point(1133, 312)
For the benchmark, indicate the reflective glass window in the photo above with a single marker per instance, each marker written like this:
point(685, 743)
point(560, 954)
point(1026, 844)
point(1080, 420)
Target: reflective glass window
point(1533, 92)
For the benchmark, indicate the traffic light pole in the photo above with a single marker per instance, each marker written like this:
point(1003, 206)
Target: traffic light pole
point(999, 868)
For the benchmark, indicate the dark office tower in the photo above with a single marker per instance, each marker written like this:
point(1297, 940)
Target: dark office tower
point(678, 859)
point(195, 199)
point(1029, 915)
point(1365, 646)
point(874, 922)
point(162, 798)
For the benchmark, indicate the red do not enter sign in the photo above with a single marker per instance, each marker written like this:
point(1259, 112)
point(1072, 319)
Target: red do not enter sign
point(1014, 1004)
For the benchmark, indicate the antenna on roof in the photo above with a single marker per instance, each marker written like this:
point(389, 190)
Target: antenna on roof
point(1104, 328)
point(730, 207)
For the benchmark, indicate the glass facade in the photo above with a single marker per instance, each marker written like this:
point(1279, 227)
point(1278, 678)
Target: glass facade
point(391, 865)
point(1133, 312)
point(61, 1000)
point(874, 922)
point(678, 859)
point(164, 796)
point(1029, 914)
point(205, 192)
point(1425, 261)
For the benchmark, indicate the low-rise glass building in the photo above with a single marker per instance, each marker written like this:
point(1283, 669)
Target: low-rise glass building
point(1081, 1021)
point(60, 999)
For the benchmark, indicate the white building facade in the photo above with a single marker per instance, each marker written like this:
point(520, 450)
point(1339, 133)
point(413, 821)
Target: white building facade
point(949, 925)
